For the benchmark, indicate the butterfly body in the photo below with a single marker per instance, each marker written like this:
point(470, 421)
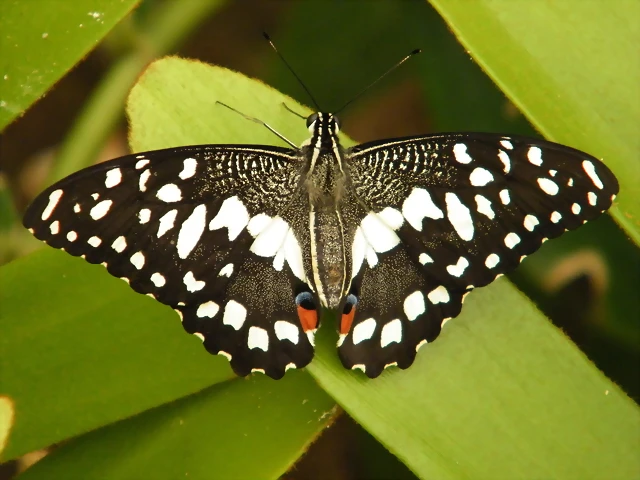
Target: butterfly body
point(249, 244)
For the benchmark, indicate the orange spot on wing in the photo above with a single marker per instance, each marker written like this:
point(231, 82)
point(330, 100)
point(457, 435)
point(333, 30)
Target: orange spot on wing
point(308, 318)
point(347, 320)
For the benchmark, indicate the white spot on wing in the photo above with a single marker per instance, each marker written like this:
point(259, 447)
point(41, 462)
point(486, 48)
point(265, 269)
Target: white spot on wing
point(504, 197)
point(438, 295)
point(506, 144)
point(114, 177)
point(207, 309)
point(414, 305)
point(142, 182)
point(419, 205)
point(191, 231)
point(504, 158)
point(119, 244)
point(363, 331)
point(158, 280)
point(234, 314)
point(169, 193)
point(358, 250)
point(270, 240)
point(483, 205)
point(530, 222)
point(101, 209)
point(391, 332)
point(458, 269)
point(77, 208)
point(258, 338)
point(460, 153)
point(459, 216)
point(144, 215)
point(548, 186)
point(575, 208)
point(556, 217)
point(511, 240)
point(226, 271)
point(167, 222)
point(378, 234)
point(592, 198)
point(141, 163)
point(286, 331)
point(94, 241)
point(191, 283)
point(391, 217)
point(233, 215)
point(590, 169)
point(54, 198)
point(492, 260)
point(72, 236)
point(535, 156)
point(424, 259)
point(137, 260)
point(480, 177)
point(189, 169)
point(293, 255)
point(54, 227)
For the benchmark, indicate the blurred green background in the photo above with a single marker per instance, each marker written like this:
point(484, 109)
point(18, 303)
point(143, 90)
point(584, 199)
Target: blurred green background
point(587, 282)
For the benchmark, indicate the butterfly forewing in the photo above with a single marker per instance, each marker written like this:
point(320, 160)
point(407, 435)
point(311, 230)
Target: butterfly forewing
point(179, 225)
point(447, 213)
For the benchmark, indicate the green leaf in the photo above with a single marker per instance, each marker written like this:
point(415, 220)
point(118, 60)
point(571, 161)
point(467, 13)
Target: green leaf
point(255, 428)
point(79, 350)
point(39, 45)
point(571, 68)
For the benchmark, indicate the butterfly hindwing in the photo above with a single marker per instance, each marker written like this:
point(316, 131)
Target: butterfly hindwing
point(179, 225)
point(447, 213)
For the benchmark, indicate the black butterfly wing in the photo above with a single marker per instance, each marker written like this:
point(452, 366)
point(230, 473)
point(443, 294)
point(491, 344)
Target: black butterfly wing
point(447, 213)
point(200, 229)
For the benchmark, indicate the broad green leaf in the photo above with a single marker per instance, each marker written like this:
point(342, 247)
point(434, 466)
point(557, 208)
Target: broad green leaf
point(79, 350)
point(573, 69)
point(41, 41)
point(254, 429)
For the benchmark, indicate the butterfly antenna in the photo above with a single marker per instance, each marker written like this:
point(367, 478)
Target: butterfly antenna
point(268, 39)
point(366, 89)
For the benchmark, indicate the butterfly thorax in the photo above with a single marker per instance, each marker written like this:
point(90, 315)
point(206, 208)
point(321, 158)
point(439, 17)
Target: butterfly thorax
point(326, 183)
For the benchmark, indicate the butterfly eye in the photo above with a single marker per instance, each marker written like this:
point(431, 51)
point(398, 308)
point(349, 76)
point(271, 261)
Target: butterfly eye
point(311, 119)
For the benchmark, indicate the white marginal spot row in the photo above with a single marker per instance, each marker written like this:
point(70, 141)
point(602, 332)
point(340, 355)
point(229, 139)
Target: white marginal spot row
point(363, 330)
point(258, 338)
point(438, 295)
point(158, 280)
point(119, 244)
point(511, 240)
point(556, 217)
point(137, 260)
point(492, 260)
point(208, 309)
point(530, 222)
point(234, 314)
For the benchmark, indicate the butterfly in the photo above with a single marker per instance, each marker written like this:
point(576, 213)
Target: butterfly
point(250, 244)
